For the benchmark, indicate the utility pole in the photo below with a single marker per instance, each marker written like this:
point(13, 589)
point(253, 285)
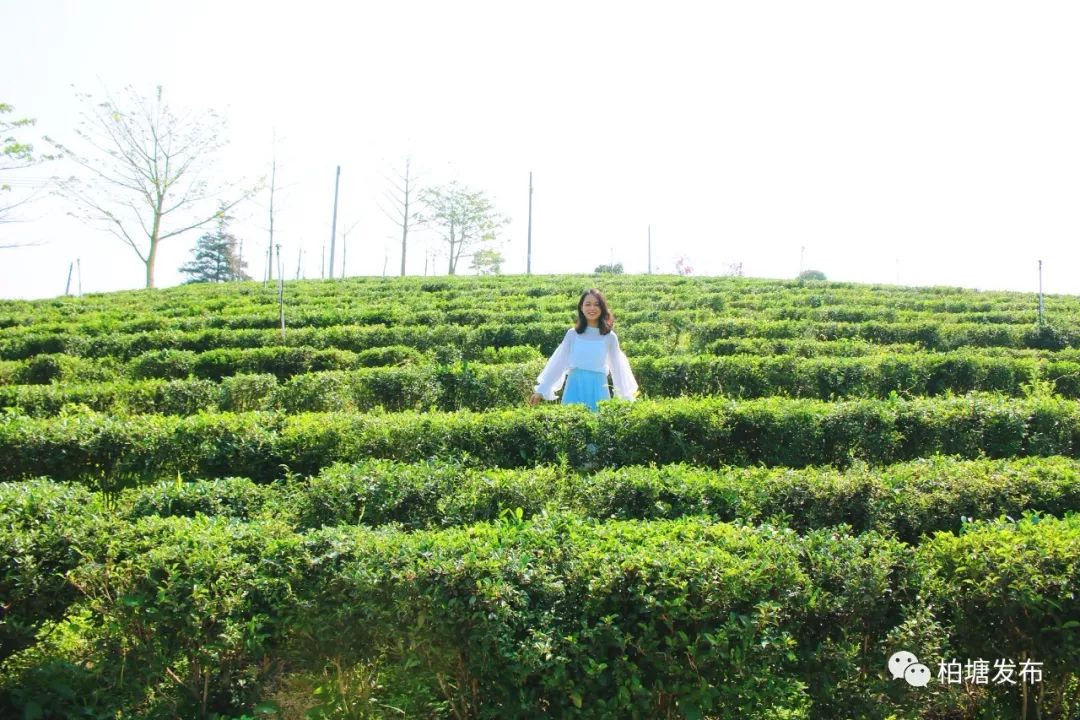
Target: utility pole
point(299, 257)
point(528, 257)
point(1041, 318)
point(802, 256)
point(273, 177)
point(67, 288)
point(333, 224)
point(281, 291)
point(649, 271)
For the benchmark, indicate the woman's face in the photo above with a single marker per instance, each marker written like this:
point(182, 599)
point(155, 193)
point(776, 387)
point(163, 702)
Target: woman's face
point(590, 307)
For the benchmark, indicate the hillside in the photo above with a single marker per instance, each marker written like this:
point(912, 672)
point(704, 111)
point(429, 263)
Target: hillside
point(360, 516)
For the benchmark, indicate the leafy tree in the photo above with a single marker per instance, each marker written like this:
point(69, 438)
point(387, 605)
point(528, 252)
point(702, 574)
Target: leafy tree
point(465, 219)
point(15, 154)
point(811, 275)
point(147, 174)
point(216, 256)
point(614, 269)
point(487, 261)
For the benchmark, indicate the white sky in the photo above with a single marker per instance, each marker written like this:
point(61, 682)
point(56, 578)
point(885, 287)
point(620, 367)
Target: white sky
point(930, 143)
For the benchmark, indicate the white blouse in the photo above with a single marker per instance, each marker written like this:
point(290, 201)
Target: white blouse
point(588, 351)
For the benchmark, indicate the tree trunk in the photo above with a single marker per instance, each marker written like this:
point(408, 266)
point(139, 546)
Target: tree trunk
point(151, 257)
point(452, 264)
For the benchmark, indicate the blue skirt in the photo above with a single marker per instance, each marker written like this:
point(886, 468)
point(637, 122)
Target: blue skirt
point(586, 387)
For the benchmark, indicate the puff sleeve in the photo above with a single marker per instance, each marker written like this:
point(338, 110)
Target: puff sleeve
point(626, 386)
point(554, 373)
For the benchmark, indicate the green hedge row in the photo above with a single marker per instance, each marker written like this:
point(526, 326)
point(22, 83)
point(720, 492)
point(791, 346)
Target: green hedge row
point(431, 387)
point(282, 362)
point(633, 309)
point(804, 347)
point(57, 367)
point(483, 387)
point(560, 616)
point(856, 347)
point(928, 334)
point(41, 522)
point(287, 361)
point(906, 499)
point(471, 341)
point(833, 377)
point(667, 332)
point(710, 432)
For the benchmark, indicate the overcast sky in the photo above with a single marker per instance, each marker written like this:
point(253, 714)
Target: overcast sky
point(925, 143)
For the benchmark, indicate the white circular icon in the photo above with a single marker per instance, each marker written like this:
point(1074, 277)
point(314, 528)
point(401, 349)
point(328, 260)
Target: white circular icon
point(917, 675)
point(899, 662)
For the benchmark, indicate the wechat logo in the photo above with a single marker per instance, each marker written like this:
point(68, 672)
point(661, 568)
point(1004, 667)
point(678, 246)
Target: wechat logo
point(905, 665)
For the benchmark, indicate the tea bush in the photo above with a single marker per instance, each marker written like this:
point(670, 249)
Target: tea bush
point(44, 528)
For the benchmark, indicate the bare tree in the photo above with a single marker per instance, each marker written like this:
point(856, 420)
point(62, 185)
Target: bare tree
point(403, 207)
point(273, 189)
point(466, 219)
point(147, 175)
point(345, 243)
point(272, 208)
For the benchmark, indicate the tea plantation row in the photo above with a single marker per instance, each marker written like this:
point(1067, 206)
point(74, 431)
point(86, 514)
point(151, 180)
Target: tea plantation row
point(558, 616)
point(286, 361)
point(473, 339)
point(485, 387)
point(711, 432)
point(505, 311)
point(461, 300)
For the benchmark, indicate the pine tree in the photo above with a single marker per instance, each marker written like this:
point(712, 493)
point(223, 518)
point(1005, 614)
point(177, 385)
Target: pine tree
point(216, 256)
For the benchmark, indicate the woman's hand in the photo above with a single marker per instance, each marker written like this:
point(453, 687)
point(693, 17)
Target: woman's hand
point(535, 398)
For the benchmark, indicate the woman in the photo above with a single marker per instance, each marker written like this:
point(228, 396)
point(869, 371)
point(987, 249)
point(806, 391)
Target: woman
point(588, 352)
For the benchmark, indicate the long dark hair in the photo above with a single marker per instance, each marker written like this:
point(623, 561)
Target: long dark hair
point(607, 320)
